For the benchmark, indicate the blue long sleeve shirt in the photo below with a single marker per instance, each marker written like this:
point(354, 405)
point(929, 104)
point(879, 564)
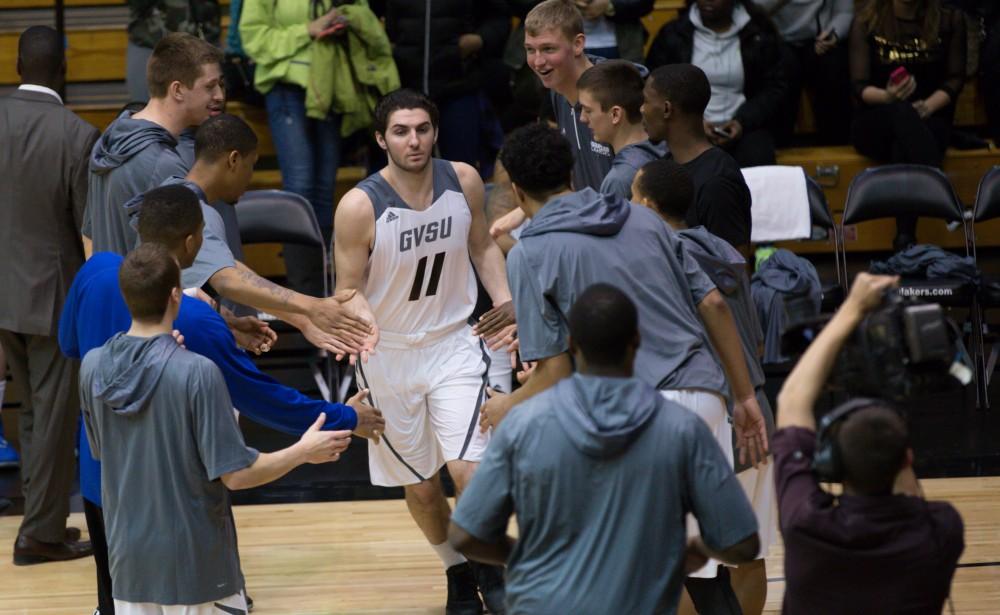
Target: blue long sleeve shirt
point(95, 310)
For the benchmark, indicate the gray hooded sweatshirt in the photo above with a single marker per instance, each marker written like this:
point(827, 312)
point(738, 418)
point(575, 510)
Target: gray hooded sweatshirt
point(160, 420)
point(598, 471)
point(626, 164)
point(130, 158)
point(583, 238)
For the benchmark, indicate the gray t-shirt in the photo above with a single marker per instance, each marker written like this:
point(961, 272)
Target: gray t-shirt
point(601, 503)
point(160, 420)
point(584, 238)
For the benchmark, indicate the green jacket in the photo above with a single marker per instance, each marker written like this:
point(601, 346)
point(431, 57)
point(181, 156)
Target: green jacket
point(150, 20)
point(343, 75)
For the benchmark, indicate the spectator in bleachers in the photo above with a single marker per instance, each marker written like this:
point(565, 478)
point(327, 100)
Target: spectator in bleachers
point(466, 43)
point(610, 101)
point(816, 32)
point(151, 20)
point(44, 160)
point(908, 62)
point(739, 50)
point(294, 45)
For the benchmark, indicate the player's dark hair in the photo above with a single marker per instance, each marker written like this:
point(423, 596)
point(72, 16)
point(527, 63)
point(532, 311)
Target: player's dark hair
point(668, 186)
point(685, 86)
point(538, 160)
point(872, 444)
point(615, 83)
point(602, 324)
point(146, 278)
point(222, 134)
point(404, 98)
point(40, 54)
point(169, 214)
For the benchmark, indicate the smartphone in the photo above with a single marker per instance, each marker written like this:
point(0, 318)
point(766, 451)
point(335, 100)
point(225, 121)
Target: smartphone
point(899, 75)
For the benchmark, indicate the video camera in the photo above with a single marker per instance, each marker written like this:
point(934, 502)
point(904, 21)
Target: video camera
point(901, 350)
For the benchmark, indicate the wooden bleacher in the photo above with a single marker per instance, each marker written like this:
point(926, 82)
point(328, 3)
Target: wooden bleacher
point(95, 90)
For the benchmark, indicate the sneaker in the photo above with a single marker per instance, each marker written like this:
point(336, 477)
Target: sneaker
point(8, 456)
point(249, 601)
point(491, 586)
point(463, 599)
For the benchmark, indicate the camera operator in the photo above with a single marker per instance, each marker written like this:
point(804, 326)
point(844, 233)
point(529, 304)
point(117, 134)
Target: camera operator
point(879, 547)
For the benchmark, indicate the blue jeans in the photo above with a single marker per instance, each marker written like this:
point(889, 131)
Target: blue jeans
point(308, 155)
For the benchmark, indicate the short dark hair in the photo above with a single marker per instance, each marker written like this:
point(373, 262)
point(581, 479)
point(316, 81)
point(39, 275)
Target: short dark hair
point(41, 53)
point(615, 82)
point(872, 443)
point(169, 214)
point(146, 278)
point(668, 185)
point(403, 98)
point(684, 85)
point(538, 159)
point(602, 324)
point(222, 134)
point(178, 56)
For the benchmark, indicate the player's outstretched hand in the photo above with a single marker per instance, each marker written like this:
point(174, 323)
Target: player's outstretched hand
point(751, 431)
point(358, 304)
point(333, 316)
point(524, 374)
point(252, 333)
point(178, 337)
point(507, 222)
point(695, 556)
point(496, 407)
point(324, 341)
point(495, 321)
point(371, 424)
point(318, 446)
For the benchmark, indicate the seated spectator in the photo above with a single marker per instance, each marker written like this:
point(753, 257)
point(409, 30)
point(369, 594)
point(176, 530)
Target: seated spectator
point(907, 68)
point(816, 34)
point(159, 418)
point(596, 469)
point(466, 42)
point(879, 547)
point(739, 50)
point(675, 98)
point(610, 101)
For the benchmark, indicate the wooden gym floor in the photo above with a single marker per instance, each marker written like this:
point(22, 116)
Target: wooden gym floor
point(369, 557)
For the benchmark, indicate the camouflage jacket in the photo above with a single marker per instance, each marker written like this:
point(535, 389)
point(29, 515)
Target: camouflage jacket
point(149, 20)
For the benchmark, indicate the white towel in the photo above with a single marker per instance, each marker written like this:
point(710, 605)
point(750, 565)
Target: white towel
point(780, 203)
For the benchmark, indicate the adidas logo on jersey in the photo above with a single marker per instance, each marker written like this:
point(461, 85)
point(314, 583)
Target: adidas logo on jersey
point(391, 217)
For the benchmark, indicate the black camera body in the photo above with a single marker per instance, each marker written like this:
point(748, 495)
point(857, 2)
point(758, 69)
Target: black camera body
point(901, 350)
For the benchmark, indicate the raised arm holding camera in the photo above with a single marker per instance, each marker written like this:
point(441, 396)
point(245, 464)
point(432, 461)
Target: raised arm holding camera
point(879, 547)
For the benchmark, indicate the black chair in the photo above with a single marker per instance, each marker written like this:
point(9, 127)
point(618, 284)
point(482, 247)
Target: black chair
point(924, 191)
point(988, 208)
point(823, 227)
point(276, 216)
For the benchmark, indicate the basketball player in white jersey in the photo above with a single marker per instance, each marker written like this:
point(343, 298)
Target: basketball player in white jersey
point(408, 238)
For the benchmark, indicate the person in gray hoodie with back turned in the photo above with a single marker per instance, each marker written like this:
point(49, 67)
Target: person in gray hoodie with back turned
point(576, 239)
point(600, 471)
point(161, 421)
point(138, 151)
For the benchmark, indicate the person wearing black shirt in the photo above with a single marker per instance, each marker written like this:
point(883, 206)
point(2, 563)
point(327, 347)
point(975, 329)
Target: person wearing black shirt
point(908, 62)
point(879, 547)
point(675, 98)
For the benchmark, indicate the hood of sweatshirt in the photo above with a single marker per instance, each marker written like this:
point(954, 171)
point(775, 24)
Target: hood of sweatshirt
point(605, 415)
point(587, 212)
point(740, 19)
point(130, 370)
point(124, 138)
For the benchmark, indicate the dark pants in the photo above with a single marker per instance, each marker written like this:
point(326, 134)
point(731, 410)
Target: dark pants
point(309, 155)
point(713, 596)
point(95, 527)
point(47, 421)
point(826, 78)
point(470, 132)
point(895, 133)
point(754, 149)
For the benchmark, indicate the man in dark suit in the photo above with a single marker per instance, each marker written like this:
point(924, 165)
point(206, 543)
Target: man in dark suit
point(42, 202)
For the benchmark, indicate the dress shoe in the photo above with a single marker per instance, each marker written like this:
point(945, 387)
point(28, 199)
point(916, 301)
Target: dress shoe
point(29, 551)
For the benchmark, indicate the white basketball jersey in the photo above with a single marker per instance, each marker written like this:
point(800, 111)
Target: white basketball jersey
point(419, 277)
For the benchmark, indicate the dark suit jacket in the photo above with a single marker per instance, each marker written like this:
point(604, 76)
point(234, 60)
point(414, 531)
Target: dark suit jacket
point(44, 154)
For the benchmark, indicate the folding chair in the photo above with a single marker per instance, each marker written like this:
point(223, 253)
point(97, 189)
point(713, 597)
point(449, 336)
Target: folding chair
point(987, 207)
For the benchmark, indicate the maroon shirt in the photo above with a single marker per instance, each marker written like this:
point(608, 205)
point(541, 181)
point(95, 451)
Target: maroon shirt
point(855, 555)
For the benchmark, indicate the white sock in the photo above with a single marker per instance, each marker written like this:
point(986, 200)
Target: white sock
point(449, 556)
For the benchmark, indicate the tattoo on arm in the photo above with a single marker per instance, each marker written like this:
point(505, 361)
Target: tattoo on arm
point(280, 293)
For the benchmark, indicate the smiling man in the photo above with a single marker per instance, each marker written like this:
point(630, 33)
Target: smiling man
point(138, 151)
point(610, 95)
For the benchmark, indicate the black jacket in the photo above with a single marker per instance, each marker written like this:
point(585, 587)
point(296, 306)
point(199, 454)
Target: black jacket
point(449, 76)
point(765, 65)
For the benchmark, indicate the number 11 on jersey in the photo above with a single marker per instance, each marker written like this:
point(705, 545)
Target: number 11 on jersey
point(432, 284)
